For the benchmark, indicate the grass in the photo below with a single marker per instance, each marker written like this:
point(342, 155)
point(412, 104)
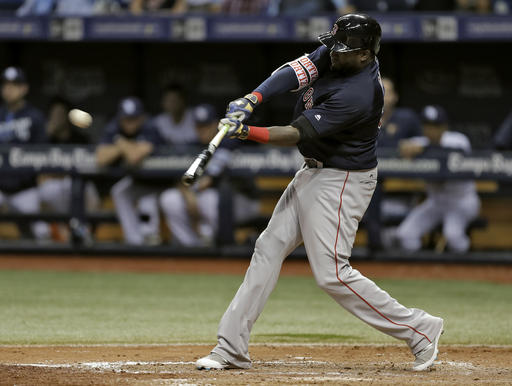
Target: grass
point(77, 307)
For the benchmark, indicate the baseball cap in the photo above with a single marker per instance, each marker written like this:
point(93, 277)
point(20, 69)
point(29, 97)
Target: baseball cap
point(205, 114)
point(14, 74)
point(130, 107)
point(434, 114)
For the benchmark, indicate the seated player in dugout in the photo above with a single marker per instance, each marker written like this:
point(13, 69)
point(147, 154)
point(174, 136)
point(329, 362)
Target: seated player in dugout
point(128, 139)
point(335, 126)
point(192, 214)
point(175, 123)
point(452, 203)
point(21, 123)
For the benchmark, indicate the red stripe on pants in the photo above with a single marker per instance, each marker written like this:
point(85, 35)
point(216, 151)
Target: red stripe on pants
point(345, 284)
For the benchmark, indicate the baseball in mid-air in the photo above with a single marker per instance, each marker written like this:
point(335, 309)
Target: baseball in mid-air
point(80, 118)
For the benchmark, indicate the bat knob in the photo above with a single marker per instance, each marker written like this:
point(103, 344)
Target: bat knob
point(187, 179)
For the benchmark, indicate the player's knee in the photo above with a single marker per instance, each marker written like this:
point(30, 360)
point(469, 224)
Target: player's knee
point(269, 247)
point(331, 281)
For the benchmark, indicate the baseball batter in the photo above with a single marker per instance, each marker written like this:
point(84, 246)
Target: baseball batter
point(335, 127)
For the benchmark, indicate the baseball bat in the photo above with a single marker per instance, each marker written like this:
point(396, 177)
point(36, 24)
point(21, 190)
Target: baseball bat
point(198, 167)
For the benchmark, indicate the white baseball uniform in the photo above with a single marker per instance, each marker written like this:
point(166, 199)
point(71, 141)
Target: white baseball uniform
point(453, 203)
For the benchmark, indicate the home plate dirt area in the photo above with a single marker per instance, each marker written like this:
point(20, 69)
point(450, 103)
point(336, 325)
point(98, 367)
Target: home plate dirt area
point(273, 364)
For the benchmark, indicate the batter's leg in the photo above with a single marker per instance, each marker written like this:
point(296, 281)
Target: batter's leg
point(277, 241)
point(421, 220)
point(329, 223)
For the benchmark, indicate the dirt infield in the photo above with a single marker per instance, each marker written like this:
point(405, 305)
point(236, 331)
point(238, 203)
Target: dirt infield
point(273, 365)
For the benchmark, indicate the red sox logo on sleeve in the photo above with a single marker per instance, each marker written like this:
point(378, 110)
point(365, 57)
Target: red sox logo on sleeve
point(307, 98)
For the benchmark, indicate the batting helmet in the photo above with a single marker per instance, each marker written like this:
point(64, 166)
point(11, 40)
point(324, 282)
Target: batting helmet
point(353, 32)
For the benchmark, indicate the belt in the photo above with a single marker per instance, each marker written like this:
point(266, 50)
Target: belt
point(313, 163)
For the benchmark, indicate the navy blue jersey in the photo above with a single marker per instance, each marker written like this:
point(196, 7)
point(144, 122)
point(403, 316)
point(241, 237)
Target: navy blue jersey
point(339, 116)
point(147, 133)
point(403, 123)
point(25, 126)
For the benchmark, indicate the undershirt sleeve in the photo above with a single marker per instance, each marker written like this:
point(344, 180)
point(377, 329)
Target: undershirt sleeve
point(279, 82)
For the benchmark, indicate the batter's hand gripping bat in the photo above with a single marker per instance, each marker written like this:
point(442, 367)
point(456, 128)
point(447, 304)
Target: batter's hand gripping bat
point(197, 167)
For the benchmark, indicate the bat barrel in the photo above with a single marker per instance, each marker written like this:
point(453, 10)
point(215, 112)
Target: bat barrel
point(196, 170)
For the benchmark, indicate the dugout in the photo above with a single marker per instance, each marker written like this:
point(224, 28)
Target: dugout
point(452, 60)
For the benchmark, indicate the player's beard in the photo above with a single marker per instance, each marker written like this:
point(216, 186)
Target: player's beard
point(344, 69)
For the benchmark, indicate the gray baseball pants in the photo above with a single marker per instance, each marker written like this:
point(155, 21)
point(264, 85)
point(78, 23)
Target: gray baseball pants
point(322, 208)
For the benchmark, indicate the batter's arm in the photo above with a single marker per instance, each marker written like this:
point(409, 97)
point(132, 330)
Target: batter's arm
point(291, 76)
point(276, 135)
point(283, 135)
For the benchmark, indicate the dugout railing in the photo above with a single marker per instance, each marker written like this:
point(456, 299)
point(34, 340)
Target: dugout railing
point(168, 165)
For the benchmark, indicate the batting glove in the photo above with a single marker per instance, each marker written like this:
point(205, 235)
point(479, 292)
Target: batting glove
point(236, 128)
point(242, 108)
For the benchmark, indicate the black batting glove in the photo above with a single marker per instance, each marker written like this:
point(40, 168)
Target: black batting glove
point(242, 108)
point(236, 129)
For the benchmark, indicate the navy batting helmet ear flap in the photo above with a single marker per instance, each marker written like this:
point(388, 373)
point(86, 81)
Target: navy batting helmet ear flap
point(353, 32)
